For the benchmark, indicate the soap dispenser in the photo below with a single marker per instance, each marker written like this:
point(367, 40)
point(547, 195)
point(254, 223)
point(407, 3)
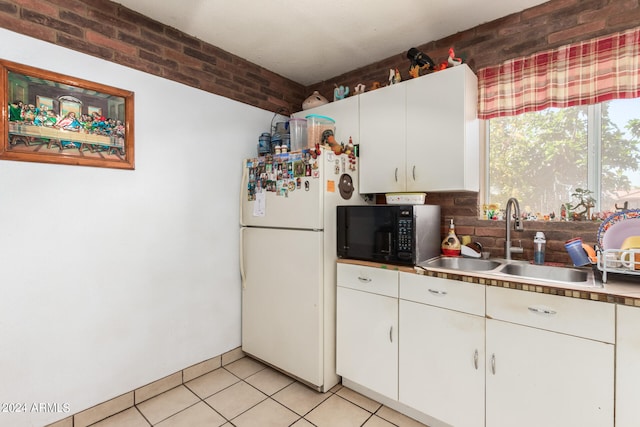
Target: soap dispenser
point(451, 243)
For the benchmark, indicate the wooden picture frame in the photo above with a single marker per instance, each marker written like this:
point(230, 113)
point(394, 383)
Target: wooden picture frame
point(48, 117)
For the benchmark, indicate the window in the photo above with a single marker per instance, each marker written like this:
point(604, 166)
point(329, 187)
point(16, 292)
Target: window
point(543, 157)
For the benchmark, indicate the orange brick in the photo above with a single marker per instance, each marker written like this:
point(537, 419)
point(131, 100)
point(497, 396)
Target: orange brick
point(41, 6)
point(100, 40)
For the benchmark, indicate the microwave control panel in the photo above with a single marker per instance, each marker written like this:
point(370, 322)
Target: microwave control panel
point(405, 233)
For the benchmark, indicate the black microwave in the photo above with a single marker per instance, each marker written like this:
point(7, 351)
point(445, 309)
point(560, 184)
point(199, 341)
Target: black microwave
point(394, 234)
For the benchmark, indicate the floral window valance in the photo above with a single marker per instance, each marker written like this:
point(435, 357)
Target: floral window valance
point(589, 72)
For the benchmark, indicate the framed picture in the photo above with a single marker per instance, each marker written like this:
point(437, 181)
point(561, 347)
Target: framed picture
point(52, 118)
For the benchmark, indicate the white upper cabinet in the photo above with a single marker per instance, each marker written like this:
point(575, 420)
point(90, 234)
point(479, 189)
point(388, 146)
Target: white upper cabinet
point(421, 135)
point(383, 140)
point(417, 135)
point(443, 131)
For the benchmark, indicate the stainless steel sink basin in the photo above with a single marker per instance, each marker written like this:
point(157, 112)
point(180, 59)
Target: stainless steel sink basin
point(468, 264)
point(543, 272)
point(516, 269)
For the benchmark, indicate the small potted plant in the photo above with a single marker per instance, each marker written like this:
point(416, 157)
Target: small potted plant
point(585, 201)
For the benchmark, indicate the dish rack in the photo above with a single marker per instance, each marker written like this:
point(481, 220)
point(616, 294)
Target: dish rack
point(617, 261)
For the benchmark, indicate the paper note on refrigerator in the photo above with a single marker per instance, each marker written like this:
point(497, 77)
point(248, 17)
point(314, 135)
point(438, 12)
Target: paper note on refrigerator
point(259, 204)
point(331, 186)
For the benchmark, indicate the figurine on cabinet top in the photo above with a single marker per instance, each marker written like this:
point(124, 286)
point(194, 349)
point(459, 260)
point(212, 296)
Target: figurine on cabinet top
point(315, 100)
point(394, 76)
point(340, 92)
point(452, 60)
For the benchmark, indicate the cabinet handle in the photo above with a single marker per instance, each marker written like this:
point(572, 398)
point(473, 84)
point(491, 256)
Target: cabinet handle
point(396, 174)
point(437, 292)
point(542, 310)
point(475, 359)
point(364, 279)
point(391, 334)
point(414, 172)
point(493, 364)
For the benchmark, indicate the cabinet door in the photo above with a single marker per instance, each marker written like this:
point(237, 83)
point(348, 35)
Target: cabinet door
point(382, 140)
point(367, 340)
point(627, 366)
point(541, 378)
point(443, 131)
point(441, 363)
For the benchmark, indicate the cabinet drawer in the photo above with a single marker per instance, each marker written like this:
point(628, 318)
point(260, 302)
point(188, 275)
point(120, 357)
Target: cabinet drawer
point(451, 294)
point(582, 318)
point(368, 279)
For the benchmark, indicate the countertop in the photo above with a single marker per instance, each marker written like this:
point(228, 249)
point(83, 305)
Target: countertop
point(619, 289)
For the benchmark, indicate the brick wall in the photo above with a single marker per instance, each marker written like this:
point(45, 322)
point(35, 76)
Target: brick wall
point(110, 31)
point(463, 208)
point(552, 24)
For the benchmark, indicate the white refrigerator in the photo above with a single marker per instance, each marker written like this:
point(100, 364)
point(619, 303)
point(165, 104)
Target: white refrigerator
point(288, 260)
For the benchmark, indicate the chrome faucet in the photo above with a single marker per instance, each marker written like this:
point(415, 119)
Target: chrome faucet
point(517, 226)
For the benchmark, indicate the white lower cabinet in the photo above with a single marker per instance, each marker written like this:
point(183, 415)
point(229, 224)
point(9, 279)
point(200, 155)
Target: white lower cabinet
point(441, 349)
point(463, 354)
point(442, 363)
point(537, 375)
point(367, 332)
point(627, 366)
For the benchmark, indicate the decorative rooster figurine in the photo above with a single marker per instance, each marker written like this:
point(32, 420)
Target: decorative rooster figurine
point(394, 76)
point(397, 77)
point(453, 61)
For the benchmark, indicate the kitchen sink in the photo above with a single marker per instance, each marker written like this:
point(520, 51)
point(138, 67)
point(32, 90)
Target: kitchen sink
point(543, 272)
point(515, 269)
point(469, 264)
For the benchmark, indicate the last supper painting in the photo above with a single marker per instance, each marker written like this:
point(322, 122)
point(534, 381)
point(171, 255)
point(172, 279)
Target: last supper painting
point(53, 118)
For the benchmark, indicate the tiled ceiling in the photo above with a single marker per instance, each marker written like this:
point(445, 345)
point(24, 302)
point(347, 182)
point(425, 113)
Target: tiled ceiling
point(311, 41)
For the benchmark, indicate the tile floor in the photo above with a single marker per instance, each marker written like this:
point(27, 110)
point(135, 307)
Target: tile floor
point(246, 393)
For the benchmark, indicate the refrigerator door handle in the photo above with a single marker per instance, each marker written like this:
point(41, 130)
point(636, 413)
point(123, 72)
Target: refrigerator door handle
point(242, 275)
point(243, 188)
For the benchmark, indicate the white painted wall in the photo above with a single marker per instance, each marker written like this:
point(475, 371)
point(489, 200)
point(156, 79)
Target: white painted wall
point(111, 279)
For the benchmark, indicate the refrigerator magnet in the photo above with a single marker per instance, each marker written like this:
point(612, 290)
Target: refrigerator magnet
point(331, 186)
point(298, 169)
point(346, 186)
